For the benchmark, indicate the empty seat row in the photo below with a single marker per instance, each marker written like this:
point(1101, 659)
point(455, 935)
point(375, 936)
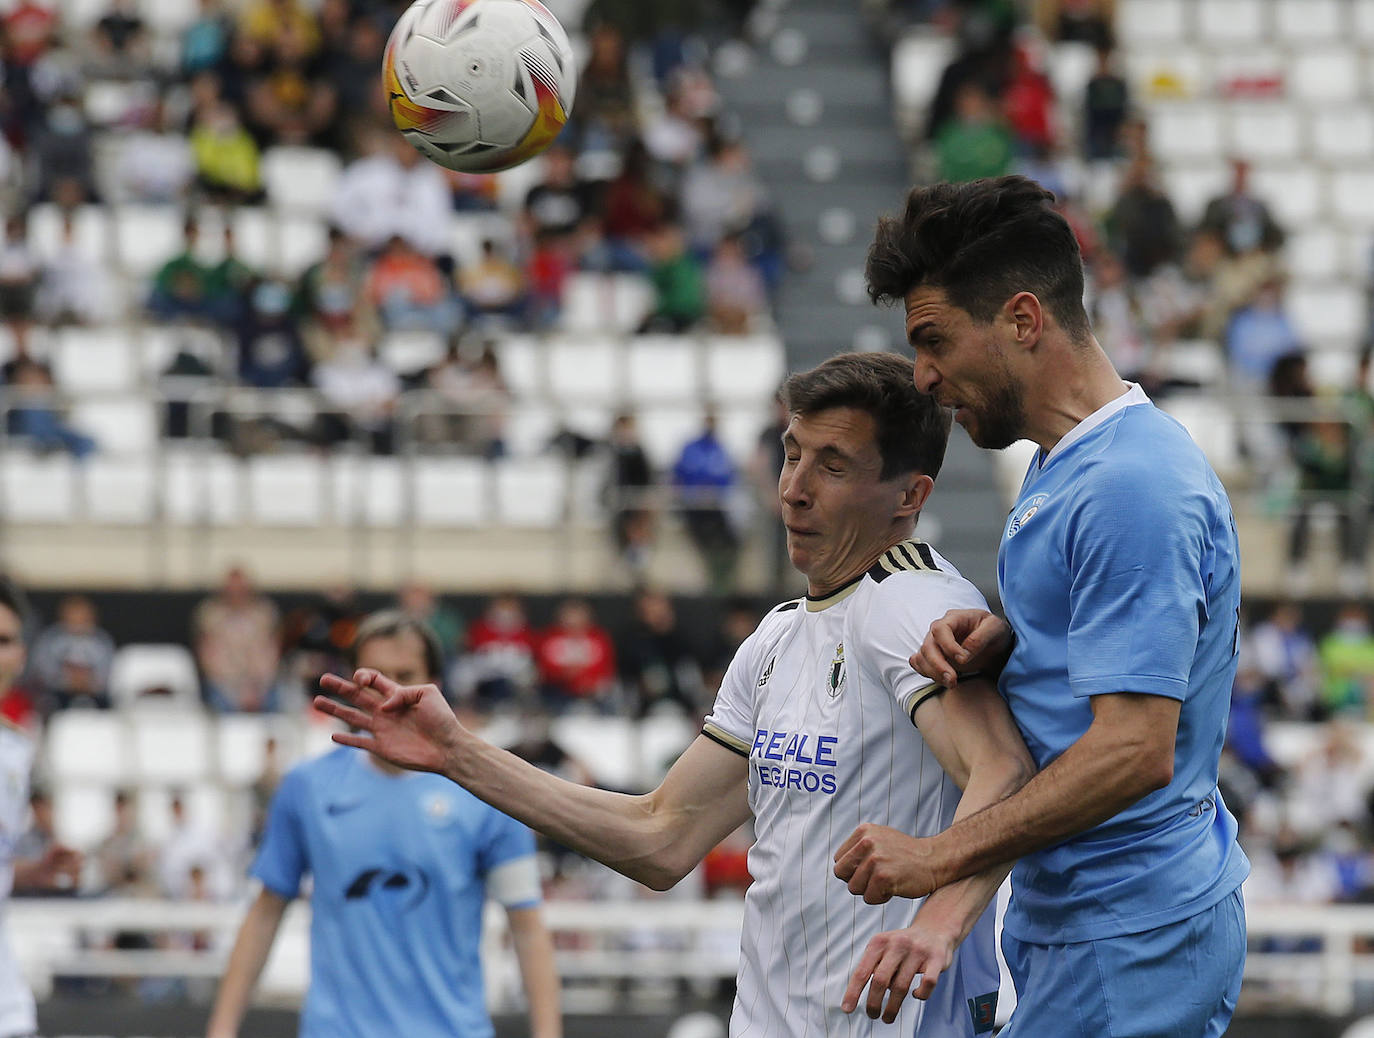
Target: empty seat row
point(1227, 23)
point(1301, 196)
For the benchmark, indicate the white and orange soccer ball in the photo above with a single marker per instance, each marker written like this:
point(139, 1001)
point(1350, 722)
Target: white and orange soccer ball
point(479, 85)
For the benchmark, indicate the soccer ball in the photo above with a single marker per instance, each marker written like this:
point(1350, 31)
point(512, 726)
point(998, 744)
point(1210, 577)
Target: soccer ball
point(479, 85)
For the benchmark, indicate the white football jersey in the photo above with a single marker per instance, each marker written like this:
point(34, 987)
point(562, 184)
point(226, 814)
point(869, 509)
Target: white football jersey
point(820, 699)
point(17, 1013)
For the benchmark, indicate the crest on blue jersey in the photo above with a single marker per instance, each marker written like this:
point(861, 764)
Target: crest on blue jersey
point(1026, 514)
point(835, 679)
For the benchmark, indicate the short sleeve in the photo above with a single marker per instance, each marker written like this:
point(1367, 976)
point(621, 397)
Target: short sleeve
point(503, 839)
point(282, 861)
point(904, 607)
point(1136, 550)
point(731, 720)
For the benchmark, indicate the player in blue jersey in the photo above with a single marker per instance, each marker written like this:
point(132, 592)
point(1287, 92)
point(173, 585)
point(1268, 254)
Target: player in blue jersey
point(401, 867)
point(1120, 576)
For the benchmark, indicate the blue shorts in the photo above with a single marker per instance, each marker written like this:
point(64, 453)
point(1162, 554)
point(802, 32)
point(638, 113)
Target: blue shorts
point(1178, 981)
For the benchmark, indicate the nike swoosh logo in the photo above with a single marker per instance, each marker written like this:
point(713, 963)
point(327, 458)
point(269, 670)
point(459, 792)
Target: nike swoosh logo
point(338, 809)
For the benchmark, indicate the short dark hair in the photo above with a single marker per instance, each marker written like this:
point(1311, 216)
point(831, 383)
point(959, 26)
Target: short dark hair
point(912, 429)
point(388, 623)
point(982, 242)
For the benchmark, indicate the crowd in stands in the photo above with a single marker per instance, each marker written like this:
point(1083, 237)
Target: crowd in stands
point(1158, 283)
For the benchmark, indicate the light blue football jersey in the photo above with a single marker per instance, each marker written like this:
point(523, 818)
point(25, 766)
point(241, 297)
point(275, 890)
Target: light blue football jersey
point(1119, 572)
point(398, 864)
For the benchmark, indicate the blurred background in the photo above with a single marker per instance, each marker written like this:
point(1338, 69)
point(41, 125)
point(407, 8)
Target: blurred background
point(265, 369)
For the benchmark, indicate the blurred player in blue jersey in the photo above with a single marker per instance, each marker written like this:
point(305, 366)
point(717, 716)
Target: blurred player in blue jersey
point(1119, 572)
point(401, 866)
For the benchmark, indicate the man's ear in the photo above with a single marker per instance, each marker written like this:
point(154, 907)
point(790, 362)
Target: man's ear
point(1025, 318)
point(915, 492)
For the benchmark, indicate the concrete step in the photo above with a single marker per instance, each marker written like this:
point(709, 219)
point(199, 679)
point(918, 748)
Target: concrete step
point(784, 139)
point(838, 81)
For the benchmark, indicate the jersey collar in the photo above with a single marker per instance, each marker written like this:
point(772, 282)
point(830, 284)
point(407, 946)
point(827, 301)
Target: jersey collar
point(819, 602)
point(1134, 395)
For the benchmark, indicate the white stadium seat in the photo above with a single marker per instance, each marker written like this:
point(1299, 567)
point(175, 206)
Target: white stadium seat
point(147, 236)
point(1352, 198)
point(169, 17)
point(1190, 187)
point(408, 352)
point(90, 231)
point(87, 360)
point(300, 179)
point(661, 368)
point(1362, 20)
point(664, 431)
point(87, 746)
point(1232, 22)
point(1309, 20)
point(1331, 370)
point(1294, 193)
point(1186, 131)
point(530, 426)
point(367, 491)
point(1314, 253)
point(37, 489)
point(119, 490)
point(1175, 70)
point(1071, 65)
point(1212, 428)
point(451, 491)
point(1153, 21)
point(1330, 313)
point(286, 489)
point(1265, 131)
point(170, 747)
point(83, 815)
point(202, 486)
point(1343, 134)
point(256, 236)
point(744, 368)
point(520, 359)
point(1327, 75)
point(918, 60)
point(143, 666)
point(531, 492)
point(241, 745)
point(302, 241)
point(584, 368)
point(118, 425)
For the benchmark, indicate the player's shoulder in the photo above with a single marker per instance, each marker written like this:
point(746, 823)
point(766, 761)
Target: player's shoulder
point(914, 567)
point(1150, 461)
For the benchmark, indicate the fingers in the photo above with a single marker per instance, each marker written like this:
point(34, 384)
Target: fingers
point(861, 973)
point(403, 697)
point(350, 716)
point(368, 678)
point(359, 695)
point(899, 986)
point(845, 848)
point(362, 742)
point(929, 976)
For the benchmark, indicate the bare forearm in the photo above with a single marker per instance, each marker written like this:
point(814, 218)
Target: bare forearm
point(621, 831)
point(1089, 783)
point(534, 950)
point(249, 955)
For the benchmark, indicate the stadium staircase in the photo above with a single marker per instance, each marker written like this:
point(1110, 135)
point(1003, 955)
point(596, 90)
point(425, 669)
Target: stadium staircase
point(815, 103)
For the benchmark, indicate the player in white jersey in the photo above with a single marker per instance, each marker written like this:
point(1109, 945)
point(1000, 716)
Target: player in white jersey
point(59, 865)
point(820, 723)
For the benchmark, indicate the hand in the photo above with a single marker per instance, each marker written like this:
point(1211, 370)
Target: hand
point(963, 641)
point(880, 863)
point(409, 725)
point(892, 960)
point(60, 867)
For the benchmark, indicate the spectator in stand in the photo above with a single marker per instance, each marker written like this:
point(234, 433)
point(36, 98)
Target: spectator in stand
point(1082, 21)
point(234, 634)
point(604, 117)
point(287, 103)
point(1288, 873)
point(478, 392)
point(1142, 227)
point(630, 483)
point(560, 201)
point(71, 658)
point(226, 157)
point(1245, 726)
point(360, 394)
point(1243, 221)
point(36, 415)
point(1028, 100)
point(191, 845)
point(1106, 102)
point(265, 22)
point(1332, 783)
point(205, 42)
point(409, 292)
point(551, 262)
point(704, 477)
point(764, 470)
point(1120, 324)
point(39, 843)
point(576, 660)
point(73, 288)
point(493, 286)
point(181, 285)
point(976, 142)
point(316, 636)
point(738, 623)
point(1258, 336)
point(632, 207)
point(271, 352)
point(351, 71)
point(499, 667)
point(120, 41)
point(393, 190)
point(1326, 470)
point(679, 283)
point(1346, 656)
point(331, 299)
point(658, 664)
point(62, 153)
point(30, 30)
point(735, 294)
point(676, 137)
point(720, 194)
point(1282, 650)
point(19, 279)
point(124, 859)
point(229, 282)
point(422, 603)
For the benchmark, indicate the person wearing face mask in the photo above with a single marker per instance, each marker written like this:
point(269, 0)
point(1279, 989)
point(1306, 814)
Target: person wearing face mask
point(62, 153)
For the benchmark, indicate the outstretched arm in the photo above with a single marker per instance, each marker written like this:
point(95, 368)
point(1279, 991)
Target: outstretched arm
point(251, 948)
point(655, 838)
point(975, 740)
point(534, 950)
point(1126, 753)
